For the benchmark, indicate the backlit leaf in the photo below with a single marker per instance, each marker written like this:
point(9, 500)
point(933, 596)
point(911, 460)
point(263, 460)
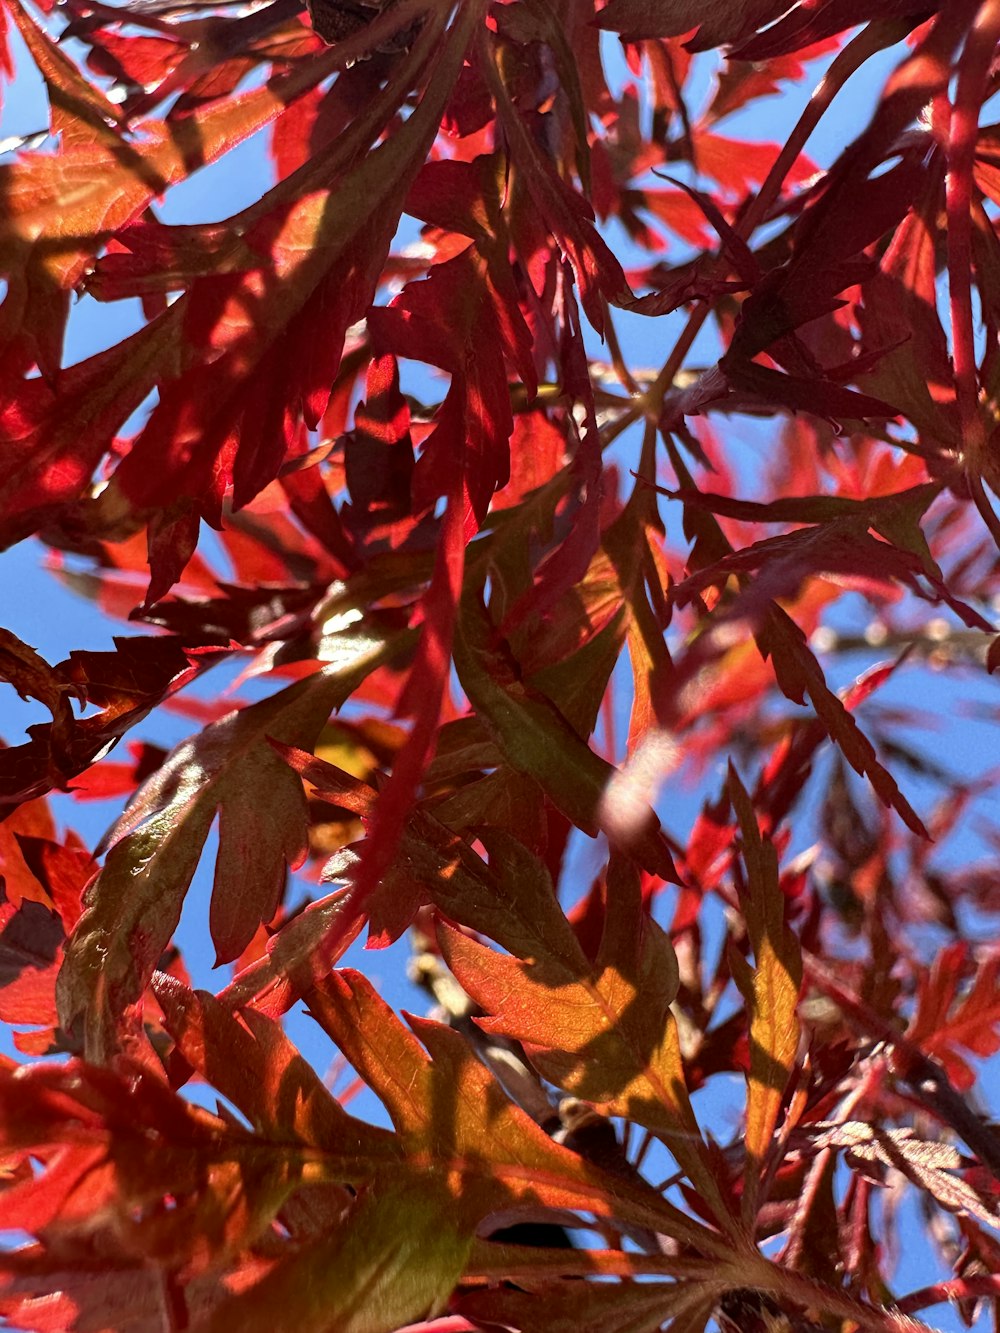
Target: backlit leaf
point(538, 741)
point(134, 904)
point(446, 1107)
point(953, 1023)
point(770, 988)
point(601, 1030)
point(321, 365)
point(396, 1258)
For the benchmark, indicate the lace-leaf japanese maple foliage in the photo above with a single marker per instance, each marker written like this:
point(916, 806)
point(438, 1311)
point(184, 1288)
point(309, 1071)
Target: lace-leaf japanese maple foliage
point(581, 452)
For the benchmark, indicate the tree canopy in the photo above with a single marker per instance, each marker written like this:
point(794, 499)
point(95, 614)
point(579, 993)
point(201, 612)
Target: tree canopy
point(554, 435)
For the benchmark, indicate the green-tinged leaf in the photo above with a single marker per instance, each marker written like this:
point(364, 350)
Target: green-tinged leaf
point(771, 991)
point(134, 904)
point(633, 546)
point(502, 799)
point(580, 681)
point(433, 864)
point(584, 1025)
point(297, 956)
point(511, 900)
point(536, 739)
point(570, 658)
point(521, 911)
point(394, 1259)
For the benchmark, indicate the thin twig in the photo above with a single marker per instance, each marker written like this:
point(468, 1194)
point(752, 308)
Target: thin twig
point(953, 1290)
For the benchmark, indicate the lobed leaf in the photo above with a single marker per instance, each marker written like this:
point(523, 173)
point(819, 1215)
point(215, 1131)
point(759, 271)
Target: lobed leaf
point(770, 989)
point(601, 1030)
point(134, 904)
point(124, 685)
point(447, 1108)
point(395, 1258)
point(951, 1023)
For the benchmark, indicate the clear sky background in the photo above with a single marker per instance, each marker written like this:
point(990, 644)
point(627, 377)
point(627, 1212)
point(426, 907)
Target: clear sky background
point(37, 607)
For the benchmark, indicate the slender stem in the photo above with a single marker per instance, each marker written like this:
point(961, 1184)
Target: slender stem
point(818, 1167)
point(618, 363)
point(645, 1143)
point(982, 502)
point(798, 1289)
point(491, 1261)
point(954, 1289)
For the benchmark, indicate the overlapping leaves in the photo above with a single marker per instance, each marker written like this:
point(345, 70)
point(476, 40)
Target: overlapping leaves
point(412, 451)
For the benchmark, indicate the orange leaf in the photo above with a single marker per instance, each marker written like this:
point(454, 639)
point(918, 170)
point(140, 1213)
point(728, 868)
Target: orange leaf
point(771, 991)
point(601, 1030)
point(951, 1022)
point(453, 1118)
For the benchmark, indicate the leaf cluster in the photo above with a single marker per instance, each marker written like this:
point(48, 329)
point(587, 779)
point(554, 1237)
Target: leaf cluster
point(539, 445)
